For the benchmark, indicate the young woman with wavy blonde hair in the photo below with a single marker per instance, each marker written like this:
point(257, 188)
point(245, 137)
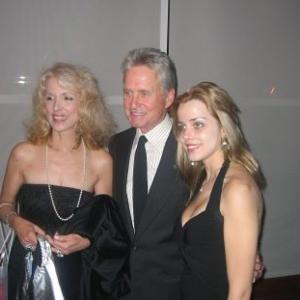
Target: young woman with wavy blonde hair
point(220, 225)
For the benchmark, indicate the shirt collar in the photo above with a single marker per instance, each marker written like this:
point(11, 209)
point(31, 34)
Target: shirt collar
point(158, 135)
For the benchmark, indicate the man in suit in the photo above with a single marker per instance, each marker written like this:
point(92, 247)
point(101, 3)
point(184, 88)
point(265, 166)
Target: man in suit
point(150, 82)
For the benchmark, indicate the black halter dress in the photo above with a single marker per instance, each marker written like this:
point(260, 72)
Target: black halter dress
point(202, 247)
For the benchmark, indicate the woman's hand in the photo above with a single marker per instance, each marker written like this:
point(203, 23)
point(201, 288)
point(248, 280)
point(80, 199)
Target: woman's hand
point(67, 244)
point(26, 231)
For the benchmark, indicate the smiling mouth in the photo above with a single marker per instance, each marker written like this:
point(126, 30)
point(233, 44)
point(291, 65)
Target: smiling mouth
point(191, 148)
point(137, 114)
point(58, 118)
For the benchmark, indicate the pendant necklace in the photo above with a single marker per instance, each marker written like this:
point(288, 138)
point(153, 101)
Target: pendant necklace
point(49, 185)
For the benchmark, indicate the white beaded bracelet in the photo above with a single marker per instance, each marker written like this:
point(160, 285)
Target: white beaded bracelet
point(4, 204)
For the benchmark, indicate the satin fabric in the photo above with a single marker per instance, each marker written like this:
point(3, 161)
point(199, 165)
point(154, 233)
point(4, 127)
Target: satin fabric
point(99, 272)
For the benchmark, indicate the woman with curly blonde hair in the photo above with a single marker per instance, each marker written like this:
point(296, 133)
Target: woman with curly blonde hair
point(95, 124)
point(61, 179)
point(221, 222)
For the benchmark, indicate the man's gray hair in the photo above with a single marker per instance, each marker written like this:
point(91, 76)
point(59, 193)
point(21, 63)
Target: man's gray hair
point(156, 60)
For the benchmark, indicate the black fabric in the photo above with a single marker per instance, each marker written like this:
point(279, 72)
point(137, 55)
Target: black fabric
point(155, 260)
point(202, 246)
point(106, 261)
point(82, 275)
point(140, 184)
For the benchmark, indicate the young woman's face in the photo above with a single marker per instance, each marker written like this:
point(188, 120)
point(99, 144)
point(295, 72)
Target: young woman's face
point(61, 106)
point(198, 131)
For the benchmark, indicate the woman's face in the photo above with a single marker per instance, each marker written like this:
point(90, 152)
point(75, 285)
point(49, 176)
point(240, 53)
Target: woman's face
point(61, 106)
point(198, 131)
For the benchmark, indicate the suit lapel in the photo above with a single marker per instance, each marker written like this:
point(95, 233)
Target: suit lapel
point(156, 197)
point(122, 179)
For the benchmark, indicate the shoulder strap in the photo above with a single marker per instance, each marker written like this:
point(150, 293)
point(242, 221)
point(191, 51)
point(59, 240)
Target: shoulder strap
point(215, 196)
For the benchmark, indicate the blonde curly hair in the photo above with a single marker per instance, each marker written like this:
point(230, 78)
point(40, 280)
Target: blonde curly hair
point(95, 125)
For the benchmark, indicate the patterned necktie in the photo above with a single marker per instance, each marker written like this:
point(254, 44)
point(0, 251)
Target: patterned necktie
point(140, 185)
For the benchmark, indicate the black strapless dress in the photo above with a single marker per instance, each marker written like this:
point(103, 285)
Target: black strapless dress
point(99, 272)
point(202, 246)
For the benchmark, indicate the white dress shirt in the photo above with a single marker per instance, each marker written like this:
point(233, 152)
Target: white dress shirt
point(156, 140)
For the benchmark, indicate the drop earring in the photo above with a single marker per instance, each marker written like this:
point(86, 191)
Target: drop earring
point(224, 143)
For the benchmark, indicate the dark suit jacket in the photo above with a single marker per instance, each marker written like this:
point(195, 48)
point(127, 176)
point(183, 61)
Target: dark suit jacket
point(155, 261)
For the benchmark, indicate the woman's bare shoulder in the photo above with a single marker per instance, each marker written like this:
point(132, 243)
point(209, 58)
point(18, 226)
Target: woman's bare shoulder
point(239, 186)
point(100, 157)
point(25, 151)
point(238, 175)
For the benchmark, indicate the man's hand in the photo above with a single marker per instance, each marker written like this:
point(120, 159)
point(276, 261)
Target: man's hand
point(259, 268)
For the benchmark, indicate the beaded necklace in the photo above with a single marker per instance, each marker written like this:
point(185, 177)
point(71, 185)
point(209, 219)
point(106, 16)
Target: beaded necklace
point(49, 185)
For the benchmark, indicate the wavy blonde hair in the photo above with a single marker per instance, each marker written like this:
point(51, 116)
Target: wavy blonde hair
point(95, 125)
point(225, 111)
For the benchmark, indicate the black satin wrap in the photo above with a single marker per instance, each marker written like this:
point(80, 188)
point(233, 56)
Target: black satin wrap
point(99, 272)
point(105, 263)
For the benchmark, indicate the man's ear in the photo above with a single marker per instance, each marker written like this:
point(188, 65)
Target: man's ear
point(170, 98)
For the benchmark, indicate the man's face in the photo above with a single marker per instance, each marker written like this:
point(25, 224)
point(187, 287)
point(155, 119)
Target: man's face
point(145, 102)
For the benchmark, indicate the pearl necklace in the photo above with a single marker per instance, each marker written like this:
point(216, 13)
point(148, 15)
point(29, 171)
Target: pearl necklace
point(49, 186)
